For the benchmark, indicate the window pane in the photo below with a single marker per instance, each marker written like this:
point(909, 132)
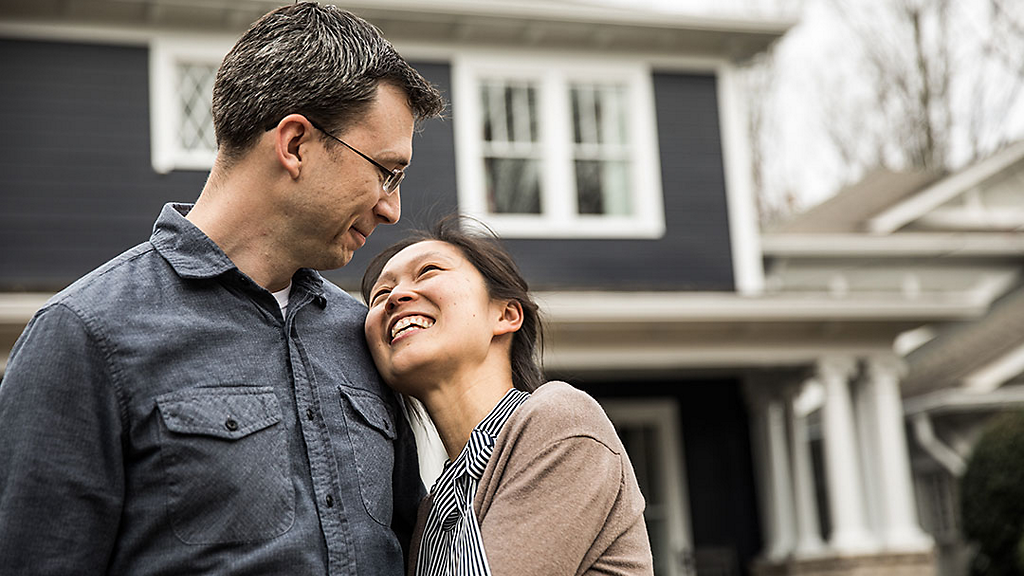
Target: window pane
point(602, 187)
point(574, 97)
point(195, 97)
point(509, 112)
point(613, 121)
point(513, 185)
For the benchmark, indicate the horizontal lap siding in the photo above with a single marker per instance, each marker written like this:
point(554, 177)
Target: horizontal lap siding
point(76, 181)
point(78, 187)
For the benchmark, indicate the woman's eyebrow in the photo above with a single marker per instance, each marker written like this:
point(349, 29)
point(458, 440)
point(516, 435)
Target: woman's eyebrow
point(390, 276)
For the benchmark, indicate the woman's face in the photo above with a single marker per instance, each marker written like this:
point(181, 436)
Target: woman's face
point(430, 317)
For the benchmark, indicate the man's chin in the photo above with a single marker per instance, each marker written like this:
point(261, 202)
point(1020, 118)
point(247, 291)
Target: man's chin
point(336, 261)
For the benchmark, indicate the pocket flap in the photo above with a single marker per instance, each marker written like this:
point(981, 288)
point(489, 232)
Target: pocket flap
point(373, 410)
point(221, 412)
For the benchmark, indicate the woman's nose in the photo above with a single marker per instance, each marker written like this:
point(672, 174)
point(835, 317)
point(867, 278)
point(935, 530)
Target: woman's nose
point(397, 296)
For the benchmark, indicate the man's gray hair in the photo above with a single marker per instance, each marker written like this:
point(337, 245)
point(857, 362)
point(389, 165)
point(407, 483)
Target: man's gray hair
point(319, 61)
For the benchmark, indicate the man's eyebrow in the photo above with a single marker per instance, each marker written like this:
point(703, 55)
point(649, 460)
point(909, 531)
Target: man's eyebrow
point(397, 160)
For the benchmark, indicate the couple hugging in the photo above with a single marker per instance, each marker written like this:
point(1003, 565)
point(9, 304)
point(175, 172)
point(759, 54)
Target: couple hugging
point(206, 403)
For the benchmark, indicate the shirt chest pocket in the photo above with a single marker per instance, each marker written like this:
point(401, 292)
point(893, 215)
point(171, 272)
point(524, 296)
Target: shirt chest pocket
point(225, 459)
point(371, 431)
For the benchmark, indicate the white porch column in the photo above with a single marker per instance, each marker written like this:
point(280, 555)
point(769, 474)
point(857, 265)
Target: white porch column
point(865, 417)
point(846, 501)
point(808, 529)
point(781, 491)
point(898, 524)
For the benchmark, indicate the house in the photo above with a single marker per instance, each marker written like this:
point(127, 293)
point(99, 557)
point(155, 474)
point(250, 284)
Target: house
point(753, 379)
point(951, 242)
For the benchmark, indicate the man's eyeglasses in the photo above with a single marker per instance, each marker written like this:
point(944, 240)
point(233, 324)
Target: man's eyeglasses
point(392, 178)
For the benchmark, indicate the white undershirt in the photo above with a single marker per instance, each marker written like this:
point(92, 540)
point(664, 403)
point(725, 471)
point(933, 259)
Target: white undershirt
point(282, 298)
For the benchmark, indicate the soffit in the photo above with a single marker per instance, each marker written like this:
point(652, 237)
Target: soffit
point(532, 23)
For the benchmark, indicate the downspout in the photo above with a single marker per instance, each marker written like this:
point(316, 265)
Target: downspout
point(937, 449)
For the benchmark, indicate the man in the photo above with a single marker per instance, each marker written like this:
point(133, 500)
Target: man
point(205, 403)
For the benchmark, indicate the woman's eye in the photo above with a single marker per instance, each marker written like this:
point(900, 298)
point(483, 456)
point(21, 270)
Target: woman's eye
point(428, 268)
point(379, 294)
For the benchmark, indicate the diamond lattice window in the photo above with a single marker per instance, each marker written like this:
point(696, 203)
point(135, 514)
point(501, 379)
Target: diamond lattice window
point(195, 97)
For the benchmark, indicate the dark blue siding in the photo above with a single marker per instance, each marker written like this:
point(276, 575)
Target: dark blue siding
point(78, 187)
point(76, 181)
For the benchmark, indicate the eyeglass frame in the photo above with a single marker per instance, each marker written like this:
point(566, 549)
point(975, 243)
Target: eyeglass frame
point(392, 177)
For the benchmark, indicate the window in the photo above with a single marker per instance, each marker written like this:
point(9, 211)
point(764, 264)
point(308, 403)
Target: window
point(182, 71)
point(558, 148)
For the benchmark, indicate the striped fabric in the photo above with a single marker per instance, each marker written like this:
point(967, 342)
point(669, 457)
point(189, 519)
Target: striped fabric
point(451, 544)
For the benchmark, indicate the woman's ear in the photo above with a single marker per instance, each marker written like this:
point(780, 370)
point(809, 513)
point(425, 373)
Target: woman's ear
point(510, 319)
point(290, 134)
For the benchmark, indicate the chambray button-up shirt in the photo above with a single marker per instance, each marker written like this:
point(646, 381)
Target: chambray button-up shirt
point(160, 416)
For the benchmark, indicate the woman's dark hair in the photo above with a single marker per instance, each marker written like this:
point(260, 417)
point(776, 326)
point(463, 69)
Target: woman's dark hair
point(503, 280)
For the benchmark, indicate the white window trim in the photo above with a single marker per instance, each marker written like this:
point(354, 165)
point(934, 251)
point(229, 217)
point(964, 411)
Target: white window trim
point(165, 53)
point(558, 218)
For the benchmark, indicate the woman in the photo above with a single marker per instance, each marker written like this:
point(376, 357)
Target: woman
point(537, 481)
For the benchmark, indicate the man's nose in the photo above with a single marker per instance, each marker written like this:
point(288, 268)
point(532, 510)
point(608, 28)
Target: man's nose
point(389, 208)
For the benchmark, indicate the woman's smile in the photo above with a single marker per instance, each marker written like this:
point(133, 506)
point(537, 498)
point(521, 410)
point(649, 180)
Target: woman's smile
point(408, 325)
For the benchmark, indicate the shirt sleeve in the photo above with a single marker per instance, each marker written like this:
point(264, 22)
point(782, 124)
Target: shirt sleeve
point(61, 469)
point(546, 515)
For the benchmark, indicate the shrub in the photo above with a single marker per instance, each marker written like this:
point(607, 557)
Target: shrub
point(992, 498)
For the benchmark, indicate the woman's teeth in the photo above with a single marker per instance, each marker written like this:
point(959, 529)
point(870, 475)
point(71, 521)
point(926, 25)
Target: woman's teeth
point(410, 322)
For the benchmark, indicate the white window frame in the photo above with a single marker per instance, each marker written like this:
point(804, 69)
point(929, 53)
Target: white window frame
point(165, 54)
point(554, 76)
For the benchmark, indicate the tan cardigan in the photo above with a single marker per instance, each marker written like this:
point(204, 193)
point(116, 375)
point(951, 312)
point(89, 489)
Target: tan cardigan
point(559, 496)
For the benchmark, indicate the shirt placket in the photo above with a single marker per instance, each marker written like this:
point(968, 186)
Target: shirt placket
point(319, 449)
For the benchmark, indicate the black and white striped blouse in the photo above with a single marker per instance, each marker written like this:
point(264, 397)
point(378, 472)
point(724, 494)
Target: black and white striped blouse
point(451, 544)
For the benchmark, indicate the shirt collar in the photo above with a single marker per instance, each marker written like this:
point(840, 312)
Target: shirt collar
point(193, 254)
point(477, 453)
point(186, 248)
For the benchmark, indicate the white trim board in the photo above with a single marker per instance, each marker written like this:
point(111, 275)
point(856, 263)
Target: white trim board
point(944, 190)
point(903, 244)
point(996, 373)
point(674, 307)
point(744, 230)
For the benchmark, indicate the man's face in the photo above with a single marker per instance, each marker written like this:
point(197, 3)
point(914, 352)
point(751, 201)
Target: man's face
point(343, 200)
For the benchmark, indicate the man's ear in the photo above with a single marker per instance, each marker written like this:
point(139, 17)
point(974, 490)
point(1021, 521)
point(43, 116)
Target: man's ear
point(511, 318)
point(291, 135)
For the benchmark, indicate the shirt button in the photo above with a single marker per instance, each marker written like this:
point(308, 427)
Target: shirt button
point(231, 424)
point(330, 501)
point(309, 414)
